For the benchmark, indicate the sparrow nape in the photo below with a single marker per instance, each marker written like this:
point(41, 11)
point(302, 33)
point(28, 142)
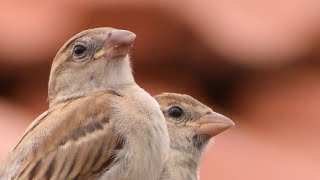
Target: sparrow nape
point(191, 125)
point(100, 124)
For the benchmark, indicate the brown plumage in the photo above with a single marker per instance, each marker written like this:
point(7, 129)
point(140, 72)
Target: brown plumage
point(100, 123)
point(191, 125)
point(79, 144)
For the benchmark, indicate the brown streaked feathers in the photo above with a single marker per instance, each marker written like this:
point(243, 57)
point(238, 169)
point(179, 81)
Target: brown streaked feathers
point(71, 151)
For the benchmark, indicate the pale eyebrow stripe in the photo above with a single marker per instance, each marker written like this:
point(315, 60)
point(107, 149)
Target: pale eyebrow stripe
point(75, 38)
point(72, 41)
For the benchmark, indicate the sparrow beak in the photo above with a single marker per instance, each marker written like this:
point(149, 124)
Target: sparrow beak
point(117, 44)
point(212, 124)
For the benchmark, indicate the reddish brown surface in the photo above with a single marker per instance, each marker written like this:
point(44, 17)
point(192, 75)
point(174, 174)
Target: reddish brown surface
point(256, 61)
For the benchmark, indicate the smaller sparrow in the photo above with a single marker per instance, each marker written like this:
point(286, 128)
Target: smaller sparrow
point(191, 125)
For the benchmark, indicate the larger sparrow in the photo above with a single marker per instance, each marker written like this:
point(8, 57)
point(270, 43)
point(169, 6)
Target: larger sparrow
point(100, 123)
point(191, 125)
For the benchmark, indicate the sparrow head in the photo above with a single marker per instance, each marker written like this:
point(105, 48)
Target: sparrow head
point(190, 123)
point(90, 61)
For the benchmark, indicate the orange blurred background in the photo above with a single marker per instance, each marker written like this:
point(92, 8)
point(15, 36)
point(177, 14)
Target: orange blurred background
point(255, 61)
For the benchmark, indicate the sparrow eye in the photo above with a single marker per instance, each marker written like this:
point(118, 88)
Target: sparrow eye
point(79, 49)
point(175, 112)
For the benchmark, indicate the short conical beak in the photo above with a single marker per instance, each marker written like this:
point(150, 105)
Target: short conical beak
point(118, 43)
point(213, 124)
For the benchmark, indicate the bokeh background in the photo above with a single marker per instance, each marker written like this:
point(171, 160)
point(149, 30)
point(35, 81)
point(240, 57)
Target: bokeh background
point(255, 61)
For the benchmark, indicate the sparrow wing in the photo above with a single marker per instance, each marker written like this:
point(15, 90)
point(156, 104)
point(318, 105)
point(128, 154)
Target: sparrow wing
point(31, 126)
point(75, 139)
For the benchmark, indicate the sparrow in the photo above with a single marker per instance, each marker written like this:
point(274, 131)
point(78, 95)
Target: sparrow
point(191, 125)
point(100, 124)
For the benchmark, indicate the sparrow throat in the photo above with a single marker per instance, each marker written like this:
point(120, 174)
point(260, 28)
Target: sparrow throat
point(98, 76)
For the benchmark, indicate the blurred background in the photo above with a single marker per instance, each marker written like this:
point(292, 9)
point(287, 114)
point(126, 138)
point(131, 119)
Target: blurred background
point(255, 61)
